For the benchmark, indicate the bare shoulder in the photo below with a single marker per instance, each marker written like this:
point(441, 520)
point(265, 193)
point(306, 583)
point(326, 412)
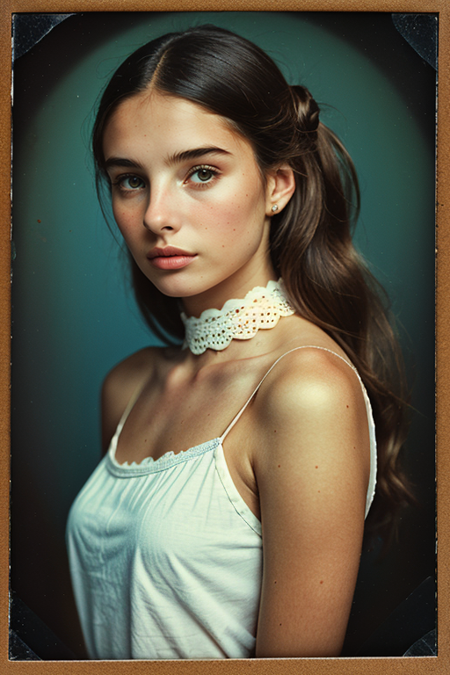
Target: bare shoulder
point(312, 407)
point(309, 380)
point(132, 368)
point(121, 383)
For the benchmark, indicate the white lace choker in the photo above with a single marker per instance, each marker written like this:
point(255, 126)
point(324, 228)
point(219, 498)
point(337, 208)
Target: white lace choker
point(238, 319)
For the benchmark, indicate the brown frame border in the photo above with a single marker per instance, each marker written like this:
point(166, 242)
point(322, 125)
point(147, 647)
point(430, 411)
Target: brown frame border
point(370, 666)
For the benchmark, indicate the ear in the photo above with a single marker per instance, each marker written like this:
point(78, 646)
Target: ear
point(280, 186)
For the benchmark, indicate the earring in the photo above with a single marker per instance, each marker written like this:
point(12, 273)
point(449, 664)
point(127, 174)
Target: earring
point(274, 208)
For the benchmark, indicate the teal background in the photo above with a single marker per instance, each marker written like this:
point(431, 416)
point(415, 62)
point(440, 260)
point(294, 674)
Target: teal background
point(73, 313)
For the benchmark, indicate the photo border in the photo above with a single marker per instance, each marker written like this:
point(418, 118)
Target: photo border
point(439, 664)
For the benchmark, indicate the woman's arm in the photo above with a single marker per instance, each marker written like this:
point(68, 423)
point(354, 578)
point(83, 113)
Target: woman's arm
point(312, 472)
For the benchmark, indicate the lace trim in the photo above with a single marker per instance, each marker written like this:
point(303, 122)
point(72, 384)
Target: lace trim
point(168, 459)
point(238, 319)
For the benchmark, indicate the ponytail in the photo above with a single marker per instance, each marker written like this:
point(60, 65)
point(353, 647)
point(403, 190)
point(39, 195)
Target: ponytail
point(330, 285)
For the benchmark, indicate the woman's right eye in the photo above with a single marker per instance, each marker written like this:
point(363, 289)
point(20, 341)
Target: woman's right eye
point(129, 183)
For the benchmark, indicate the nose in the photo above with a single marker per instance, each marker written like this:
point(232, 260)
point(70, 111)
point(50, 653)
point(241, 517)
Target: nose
point(162, 213)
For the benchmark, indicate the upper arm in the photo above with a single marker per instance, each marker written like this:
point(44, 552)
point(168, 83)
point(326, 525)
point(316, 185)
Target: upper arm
point(312, 479)
point(118, 387)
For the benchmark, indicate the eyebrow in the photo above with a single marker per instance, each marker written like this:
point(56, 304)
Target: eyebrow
point(121, 161)
point(175, 158)
point(194, 153)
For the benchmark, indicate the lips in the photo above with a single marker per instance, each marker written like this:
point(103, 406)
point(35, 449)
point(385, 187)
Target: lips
point(167, 252)
point(170, 258)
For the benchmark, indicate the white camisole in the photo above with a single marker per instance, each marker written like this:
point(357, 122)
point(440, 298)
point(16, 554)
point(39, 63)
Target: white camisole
point(165, 555)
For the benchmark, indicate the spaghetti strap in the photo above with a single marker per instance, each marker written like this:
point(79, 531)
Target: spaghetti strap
point(134, 397)
point(237, 417)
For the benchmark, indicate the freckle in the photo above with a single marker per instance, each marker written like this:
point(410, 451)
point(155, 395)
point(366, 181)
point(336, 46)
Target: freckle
point(279, 465)
point(346, 406)
point(321, 582)
point(318, 490)
point(317, 466)
point(274, 431)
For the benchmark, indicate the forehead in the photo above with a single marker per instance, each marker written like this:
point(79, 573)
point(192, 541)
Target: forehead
point(160, 120)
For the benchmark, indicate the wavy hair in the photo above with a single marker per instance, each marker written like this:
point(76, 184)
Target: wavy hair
point(311, 245)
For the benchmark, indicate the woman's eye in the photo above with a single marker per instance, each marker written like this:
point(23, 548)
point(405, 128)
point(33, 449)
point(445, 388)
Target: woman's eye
point(202, 174)
point(129, 183)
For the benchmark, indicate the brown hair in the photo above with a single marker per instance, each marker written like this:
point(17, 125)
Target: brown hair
point(310, 243)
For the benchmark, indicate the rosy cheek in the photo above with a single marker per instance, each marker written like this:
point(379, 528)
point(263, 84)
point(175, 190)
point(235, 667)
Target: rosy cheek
point(244, 213)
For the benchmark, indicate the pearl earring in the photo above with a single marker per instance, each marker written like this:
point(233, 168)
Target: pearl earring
point(274, 208)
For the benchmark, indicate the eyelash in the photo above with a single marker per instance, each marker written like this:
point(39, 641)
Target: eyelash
point(118, 182)
point(203, 167)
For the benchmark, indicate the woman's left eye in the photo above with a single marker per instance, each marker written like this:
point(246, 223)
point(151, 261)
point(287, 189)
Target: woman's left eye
point(202, 175)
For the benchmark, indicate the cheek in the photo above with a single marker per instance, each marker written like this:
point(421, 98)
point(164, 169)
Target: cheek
point(125, 220)
point(240, 210)
point(245, 215)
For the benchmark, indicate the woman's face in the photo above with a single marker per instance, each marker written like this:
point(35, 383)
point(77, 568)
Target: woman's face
point(189, 198)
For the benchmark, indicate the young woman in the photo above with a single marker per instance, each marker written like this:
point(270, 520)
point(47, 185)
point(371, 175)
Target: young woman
point(235, 203)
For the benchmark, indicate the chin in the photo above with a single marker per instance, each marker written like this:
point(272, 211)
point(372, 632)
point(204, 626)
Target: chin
point(190, 284)
point(175, 288)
